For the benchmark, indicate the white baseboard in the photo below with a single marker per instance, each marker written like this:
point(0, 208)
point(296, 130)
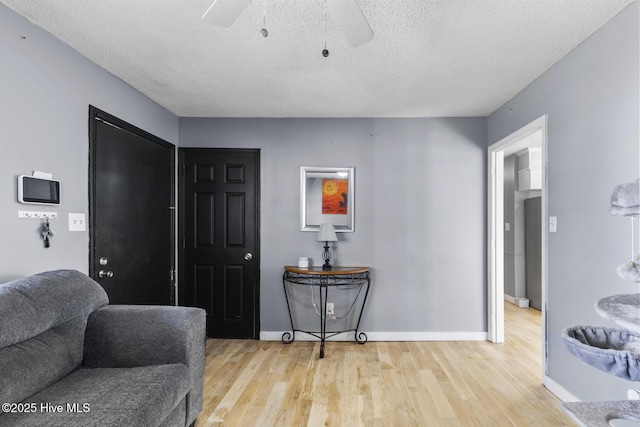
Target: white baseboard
point(385, 336)
point(509, 298)
point(558, 390)
point(427, 336)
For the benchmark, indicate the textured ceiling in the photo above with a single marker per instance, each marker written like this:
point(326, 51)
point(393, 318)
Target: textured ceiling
point(427, 59)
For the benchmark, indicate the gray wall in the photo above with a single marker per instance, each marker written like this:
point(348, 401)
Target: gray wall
point(420, 211)
point(514, 241)
point(510, 171)
point(46, 90)
point(591, 97)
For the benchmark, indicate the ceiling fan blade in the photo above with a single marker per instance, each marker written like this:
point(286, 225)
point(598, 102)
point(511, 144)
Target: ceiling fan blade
point(351, 21)
point(225, 12)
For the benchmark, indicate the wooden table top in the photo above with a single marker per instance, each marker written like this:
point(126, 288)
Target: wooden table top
point(335, 271)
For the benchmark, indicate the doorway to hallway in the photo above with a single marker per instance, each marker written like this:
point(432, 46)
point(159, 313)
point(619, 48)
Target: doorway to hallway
point(513, 144)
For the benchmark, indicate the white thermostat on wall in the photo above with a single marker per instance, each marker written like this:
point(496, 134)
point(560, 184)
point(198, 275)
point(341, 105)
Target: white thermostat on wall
point(39, 189)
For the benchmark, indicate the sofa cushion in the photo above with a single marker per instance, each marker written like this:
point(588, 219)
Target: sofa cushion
point(29, 366)
point(143, 396)
point(127, 336)
point(43, 320)
point(30, 306)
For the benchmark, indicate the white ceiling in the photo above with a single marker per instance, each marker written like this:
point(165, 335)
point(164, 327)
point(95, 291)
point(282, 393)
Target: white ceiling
point(428, 58)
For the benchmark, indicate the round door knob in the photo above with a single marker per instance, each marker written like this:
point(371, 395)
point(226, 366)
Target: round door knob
point(248, 256)
point(108, 274)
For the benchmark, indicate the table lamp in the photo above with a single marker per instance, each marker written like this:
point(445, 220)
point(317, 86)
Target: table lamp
point(326, 234)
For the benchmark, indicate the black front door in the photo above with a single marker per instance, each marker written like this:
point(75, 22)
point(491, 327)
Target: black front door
point(131, 186)
point(219, 228)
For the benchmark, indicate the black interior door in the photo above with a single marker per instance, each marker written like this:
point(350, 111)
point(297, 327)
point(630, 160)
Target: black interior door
point(220, 260)
point(131, 185)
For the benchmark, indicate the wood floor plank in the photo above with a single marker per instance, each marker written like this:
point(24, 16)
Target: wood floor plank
point(387, 384)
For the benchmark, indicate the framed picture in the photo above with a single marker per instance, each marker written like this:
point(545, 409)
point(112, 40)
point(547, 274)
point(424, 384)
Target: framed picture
point(327, 196)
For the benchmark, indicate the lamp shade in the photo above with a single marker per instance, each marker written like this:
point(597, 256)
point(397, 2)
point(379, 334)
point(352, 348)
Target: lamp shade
point(326, 233)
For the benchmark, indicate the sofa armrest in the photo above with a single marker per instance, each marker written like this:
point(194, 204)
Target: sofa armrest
point(122, 336)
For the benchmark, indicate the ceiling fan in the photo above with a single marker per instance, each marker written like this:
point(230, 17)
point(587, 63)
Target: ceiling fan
point(345, 13)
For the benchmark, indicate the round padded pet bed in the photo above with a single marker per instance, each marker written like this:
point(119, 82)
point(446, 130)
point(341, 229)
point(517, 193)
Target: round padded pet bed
point(624, 310)
point(615, 351)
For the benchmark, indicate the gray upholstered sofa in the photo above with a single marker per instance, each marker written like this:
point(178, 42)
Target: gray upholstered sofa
point(67, 358)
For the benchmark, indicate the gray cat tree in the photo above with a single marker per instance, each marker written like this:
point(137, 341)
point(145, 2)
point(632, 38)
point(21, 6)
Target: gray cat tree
point(615, 351)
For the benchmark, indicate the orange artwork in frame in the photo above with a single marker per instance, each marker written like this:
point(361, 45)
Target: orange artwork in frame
point(335, 194)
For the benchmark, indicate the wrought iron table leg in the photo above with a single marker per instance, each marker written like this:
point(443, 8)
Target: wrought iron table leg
point(290, 335)
point(323, 317)
point(361, 337)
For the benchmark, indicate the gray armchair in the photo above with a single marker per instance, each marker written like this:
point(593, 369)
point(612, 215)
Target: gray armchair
point(67, 358)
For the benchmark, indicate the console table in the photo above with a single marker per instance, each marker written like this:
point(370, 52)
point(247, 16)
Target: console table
point(352, 277)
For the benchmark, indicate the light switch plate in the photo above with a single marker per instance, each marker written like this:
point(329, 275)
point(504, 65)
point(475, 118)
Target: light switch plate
point(553, 224)
point(77, 222)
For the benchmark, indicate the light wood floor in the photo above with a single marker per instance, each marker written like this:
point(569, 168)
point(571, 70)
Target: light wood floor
point(258, 383)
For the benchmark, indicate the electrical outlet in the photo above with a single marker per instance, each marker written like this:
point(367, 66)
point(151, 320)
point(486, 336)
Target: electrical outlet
point(77, 222)
point(330, 309)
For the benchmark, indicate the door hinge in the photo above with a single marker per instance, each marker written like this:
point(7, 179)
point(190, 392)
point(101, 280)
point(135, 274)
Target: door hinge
point(184, 243)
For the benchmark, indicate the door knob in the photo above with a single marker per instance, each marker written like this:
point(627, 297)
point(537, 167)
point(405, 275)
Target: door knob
point(108, 274)
point(248, 256)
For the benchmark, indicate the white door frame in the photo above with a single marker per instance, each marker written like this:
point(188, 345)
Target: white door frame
point(510, 145)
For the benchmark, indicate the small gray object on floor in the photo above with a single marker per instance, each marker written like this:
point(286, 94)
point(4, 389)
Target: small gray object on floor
point(598, 414)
